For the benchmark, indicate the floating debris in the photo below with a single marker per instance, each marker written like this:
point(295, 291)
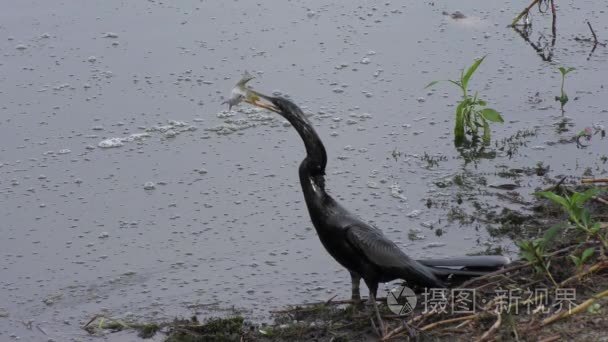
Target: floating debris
point(110, 143)
point(149, 186)
point(52, 299)
point(396, 192)
point(415, 234)
point(434, 245)
point(117, 142)
point(414, 213)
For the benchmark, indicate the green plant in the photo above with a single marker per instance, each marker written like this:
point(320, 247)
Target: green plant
point(577, 213)
point(472, 115)
point(563, 98)
point(580, 261)
point(534, 251)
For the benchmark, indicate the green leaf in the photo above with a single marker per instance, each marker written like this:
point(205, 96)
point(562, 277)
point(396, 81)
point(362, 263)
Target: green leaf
point(575, 260)
point(431, 84)
point(457, 84)
point(550, 234)
point(486, 132)
point(531, 257)
point(579, 198)
point(491, 115)
point(595, 308)
point(587, 253)
point(585, 217)
point(555, 198)
point(471, 71)
point(565, 71)
point(459, 126)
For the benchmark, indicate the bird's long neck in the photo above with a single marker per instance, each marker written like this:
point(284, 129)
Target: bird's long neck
point(312, 168)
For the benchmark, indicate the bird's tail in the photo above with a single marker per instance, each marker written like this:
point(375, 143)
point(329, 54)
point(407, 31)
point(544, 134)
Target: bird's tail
point(482, 262)
point(456, 270)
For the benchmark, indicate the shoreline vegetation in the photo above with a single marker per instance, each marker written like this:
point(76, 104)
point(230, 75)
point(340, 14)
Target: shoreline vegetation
point(559, 292)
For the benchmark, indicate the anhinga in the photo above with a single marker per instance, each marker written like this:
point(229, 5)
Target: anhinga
point(358, 246)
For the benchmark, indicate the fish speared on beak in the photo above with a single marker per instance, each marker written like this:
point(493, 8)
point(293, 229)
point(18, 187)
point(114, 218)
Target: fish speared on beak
point(241, 93)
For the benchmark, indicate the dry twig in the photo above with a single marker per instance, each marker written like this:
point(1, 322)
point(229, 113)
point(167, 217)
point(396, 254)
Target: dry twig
point(492, 329)
point(577, 309)
point(448, 321)
point(524, 12)
point(594, 180)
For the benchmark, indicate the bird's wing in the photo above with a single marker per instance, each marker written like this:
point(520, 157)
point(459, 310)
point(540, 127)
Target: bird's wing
point(385, 254)
point(375, 246)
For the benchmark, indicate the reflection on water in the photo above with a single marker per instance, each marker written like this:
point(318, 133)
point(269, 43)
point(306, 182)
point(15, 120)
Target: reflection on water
point(542, 45)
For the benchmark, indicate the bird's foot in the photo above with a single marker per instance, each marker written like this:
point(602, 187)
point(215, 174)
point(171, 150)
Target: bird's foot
point(381, 330)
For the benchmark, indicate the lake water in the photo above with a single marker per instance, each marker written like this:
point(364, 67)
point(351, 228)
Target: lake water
point(128, 189)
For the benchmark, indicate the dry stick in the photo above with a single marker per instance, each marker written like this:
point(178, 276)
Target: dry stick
point(592, 32)
point(578, 309)
point(376, 330)
point(493, 274)
point(330, 299)
point(512, 268)
point(524, 12)
point(462, 324)
point(466, 284)
point(597, 267)
point(492, 329)
point(469, 318)
point(392, 333)
point(403, 327)
point(599, 199)
point(552, 338)
point(91, 321)
point(556, 186)
point(447, 321)
point(42, 330)
point(594, 180)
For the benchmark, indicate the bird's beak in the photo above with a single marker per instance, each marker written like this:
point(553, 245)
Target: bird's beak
point(260, 100)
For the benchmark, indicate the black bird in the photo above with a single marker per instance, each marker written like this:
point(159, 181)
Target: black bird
point(358, 246)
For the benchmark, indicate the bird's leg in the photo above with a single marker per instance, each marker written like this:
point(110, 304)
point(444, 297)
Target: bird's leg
point(373, 289)
point(410, 330)
point(355, 280)
point(380, 321)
